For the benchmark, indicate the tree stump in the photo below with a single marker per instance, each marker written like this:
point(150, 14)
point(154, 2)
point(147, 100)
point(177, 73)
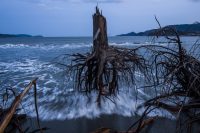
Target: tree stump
point(100, 39)
point(100, 69)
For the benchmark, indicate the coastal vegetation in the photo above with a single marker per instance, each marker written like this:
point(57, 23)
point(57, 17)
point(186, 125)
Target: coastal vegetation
point(182, 29)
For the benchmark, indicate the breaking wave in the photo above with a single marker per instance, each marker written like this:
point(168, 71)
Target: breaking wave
point(70, 46)
point(58, 99)
point(56, 96)
point(45, 47)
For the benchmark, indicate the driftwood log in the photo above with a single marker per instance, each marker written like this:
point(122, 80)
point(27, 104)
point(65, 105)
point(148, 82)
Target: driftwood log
point(11, 111)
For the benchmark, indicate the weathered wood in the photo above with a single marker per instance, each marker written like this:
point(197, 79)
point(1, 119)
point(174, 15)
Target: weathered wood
point(100, 46)
point(100, 38)
point(100, 69)
point(8, 116)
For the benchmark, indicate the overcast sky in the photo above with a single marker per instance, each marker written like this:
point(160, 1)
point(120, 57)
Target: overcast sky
point(74, 17)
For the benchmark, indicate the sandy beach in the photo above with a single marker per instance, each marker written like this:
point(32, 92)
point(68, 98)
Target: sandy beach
point(115, 122)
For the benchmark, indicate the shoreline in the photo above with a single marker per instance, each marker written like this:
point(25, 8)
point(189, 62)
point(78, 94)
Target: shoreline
point(114, 122)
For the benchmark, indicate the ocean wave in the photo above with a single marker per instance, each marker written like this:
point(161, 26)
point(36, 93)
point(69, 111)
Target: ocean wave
point(45, 46)
point(25, 65)
point(8, 45)
point(57, 99)
point(72, 45)
point(134, 44)
point(78, 105)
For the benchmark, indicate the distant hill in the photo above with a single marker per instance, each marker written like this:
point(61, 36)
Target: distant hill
point(16, 35)
point(182, 29)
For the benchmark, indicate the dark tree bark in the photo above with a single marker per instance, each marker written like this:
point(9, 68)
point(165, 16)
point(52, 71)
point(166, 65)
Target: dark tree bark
point(100, 39)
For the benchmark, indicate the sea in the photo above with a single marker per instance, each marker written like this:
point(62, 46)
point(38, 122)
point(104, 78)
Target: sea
point(24, 59)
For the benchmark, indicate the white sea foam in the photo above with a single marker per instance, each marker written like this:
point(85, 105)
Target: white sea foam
point(137, 44)
point(9, 45)
point(72, 45)
point(76, 45)
point(46, 46)
point(121, 44)
point(123, 105)
point(57, 98)
point(22, 66)
point(27, 66)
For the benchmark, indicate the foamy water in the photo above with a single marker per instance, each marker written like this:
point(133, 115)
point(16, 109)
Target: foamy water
point(25, 59)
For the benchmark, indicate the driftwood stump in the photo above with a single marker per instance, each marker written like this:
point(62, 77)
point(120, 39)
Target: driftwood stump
point(102, 69)
point(100, 39)
point(100, 44)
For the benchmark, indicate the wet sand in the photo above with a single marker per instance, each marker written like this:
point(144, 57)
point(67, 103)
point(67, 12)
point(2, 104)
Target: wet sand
point(115, 122)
